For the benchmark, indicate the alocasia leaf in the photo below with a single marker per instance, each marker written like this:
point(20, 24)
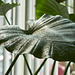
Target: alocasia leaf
point(49, 37)
point(50, 7)
point(5, 7)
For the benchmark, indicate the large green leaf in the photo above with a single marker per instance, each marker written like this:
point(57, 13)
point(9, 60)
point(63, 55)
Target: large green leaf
point(5, 7)
point(50, 7)
point(49, 37)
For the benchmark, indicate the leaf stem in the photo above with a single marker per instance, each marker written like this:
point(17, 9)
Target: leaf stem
point(40, 66)
point(27, 64)
point(66, 69)
point(12, 64)
point(7, 19)
point(53, 67)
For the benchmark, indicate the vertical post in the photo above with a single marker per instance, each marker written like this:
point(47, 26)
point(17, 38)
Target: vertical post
point(25, 12)
point(74, 6)
point(2, 50)
point(46, 67)
point(14, 22)
point(19, 67)
point(70, 3)
point(28, 15)
point(68, 71)
point(56, 68)
point(73, 72)
point(36, 64)
point(6, 54)
point(5, 61)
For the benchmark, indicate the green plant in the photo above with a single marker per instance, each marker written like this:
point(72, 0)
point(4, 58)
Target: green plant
point(57, 35)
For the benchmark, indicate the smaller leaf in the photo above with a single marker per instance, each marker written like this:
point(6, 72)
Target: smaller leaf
point(5, 7)
point(72, 17)
point(51, 7)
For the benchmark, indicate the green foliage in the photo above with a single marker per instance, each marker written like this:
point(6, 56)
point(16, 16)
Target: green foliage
point(60, 1)
point(50, 7)
point(1, 2)
point(5, 7)
point(72, 17)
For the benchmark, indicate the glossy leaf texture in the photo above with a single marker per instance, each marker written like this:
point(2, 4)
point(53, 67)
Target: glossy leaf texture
point(48, 37)
point(5, 7)
point(51, 7)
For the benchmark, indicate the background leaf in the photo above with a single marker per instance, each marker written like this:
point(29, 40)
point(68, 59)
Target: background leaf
point(60, 1)
point(72, 17)
point(50, 7)
point(1, 2)
point(5, 7)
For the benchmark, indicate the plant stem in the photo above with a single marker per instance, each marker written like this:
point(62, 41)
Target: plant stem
point(40, 67)
point(7, 19)
point(66, 69)
point(27, 64)
point(12, 64)
point(53, 67)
